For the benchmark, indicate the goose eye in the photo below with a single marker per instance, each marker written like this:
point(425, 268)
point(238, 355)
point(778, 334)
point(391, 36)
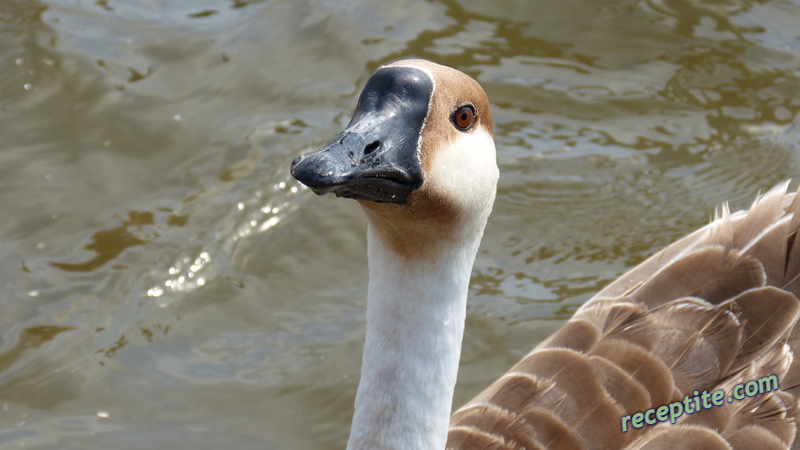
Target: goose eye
point(464, 117)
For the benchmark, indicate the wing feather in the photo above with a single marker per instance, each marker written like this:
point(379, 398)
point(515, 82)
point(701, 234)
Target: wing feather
point(716, 310)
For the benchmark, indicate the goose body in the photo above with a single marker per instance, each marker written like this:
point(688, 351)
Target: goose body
point(712, 312)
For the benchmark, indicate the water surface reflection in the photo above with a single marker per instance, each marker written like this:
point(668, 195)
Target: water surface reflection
point(168, 285)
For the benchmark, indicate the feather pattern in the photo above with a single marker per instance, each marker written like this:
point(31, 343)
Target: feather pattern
point(716, 310)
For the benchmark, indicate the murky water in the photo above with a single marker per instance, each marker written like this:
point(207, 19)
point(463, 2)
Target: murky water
point(166, 284)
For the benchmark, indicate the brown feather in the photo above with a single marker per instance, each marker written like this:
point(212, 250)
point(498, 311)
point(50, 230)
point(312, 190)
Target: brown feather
point(648, 370)
point(574, 383)
point(628, 393)
point(700, 273)
point(715, 310)
point(765, 211)
point(551, 432)
point(754, 436)
point(579, 335)
point(770, 249)
point(793, 258)
point(696, 341)
point(768, 314)
point(680, 436)
point(472, 439)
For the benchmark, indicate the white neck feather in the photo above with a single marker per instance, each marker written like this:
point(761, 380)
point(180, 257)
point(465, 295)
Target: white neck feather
point(415, 323)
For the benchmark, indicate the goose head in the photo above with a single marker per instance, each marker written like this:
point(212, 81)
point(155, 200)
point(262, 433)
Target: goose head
point(418, 155)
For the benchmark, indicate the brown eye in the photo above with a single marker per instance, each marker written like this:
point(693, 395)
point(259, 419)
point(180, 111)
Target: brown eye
point(464, 117)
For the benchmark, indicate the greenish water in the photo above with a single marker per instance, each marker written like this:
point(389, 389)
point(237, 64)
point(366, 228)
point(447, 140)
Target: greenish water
point(166, 284)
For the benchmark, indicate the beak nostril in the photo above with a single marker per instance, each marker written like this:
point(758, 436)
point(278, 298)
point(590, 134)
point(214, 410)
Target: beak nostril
point(371, 147)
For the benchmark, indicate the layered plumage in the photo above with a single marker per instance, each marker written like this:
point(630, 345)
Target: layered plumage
point(714, 310)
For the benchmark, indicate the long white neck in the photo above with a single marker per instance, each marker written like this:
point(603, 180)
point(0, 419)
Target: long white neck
point(415, 323)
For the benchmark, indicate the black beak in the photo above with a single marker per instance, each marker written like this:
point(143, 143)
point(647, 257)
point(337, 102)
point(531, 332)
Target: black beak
point(376, 158)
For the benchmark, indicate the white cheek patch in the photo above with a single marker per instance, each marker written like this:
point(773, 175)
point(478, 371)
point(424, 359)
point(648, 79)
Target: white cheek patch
point(465, 171)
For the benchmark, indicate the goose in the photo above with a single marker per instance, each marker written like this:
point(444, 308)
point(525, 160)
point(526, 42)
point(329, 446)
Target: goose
point(705, 325)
